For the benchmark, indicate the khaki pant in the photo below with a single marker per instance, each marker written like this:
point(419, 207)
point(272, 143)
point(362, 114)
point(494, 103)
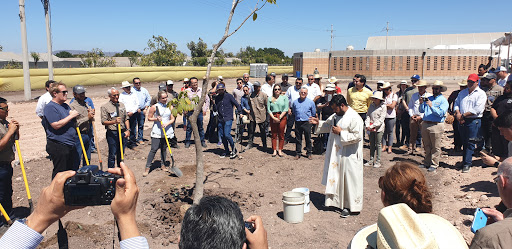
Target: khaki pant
point(414, 126)
point(432, 133)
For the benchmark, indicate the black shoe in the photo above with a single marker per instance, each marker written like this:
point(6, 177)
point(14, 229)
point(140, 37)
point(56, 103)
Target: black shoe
point(203, 143)
point(233, 155)
point(345, 213)
point(465, 169)
point(187, 145)
point(175, 146)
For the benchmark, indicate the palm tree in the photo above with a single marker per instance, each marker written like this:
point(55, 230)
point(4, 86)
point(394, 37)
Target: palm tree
point(35, 56)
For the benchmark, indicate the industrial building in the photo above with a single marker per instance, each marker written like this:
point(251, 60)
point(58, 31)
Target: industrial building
point(446, 56)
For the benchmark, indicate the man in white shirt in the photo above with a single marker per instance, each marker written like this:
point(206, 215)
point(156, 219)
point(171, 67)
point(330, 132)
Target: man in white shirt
point(469, 108)
point(44, 99)
point(140, 117)
point(131, 101)
point(267, 86)
point(415, 114)
point(502, 74)
point(314, 92)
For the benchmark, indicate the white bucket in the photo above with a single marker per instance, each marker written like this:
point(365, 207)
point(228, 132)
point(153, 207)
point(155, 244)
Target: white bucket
point(293, 207)
point(305, 191)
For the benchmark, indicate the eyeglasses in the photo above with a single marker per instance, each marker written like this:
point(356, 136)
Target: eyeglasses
point(5, 108)
point(136, 83)
point(414, 81)
point(311, 79)
point(495, 180)
point(277, 89)
point(64, 92)
point(246, 77)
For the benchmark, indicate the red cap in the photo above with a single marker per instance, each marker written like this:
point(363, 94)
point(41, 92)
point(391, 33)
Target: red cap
point(473, 77)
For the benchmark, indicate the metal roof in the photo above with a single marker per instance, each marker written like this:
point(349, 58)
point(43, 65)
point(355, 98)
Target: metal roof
point(431, 41)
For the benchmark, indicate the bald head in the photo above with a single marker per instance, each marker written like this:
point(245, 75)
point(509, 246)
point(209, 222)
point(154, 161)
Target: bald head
point(505, 167)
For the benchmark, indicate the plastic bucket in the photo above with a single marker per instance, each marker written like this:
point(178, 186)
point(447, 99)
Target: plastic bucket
point(293, 207)
point(305, 191)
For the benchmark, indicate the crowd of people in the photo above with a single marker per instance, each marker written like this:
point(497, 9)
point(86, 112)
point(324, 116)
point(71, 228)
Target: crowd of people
point(479, 112)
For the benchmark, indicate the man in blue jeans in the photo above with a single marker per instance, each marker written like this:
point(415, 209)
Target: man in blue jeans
point(112, 114)
point(469, 108)
point(224, 103)
point(303, 108)
point(140, 117)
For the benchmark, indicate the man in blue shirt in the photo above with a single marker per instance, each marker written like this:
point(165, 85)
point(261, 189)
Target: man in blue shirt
point(61, 135)
point(303, 109)
point(434, 109)
point(224, 103)
point(140, 117)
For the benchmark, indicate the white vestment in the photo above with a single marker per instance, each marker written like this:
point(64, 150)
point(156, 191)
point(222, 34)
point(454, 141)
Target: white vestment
point(343, 166)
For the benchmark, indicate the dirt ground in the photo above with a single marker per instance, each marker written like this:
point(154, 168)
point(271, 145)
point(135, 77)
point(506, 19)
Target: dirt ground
point(256, 182)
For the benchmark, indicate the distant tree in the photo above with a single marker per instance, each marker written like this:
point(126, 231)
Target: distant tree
point(1, 48)
point(64, 54)
point(262, 55)
point(162, 53)
point(199, 61)
point(35, 56)
point(96, 58)
point(236, 62)
point(127, 53)
point(13, 65)
point(199, 49)
point(134, 59)
point(230, 55)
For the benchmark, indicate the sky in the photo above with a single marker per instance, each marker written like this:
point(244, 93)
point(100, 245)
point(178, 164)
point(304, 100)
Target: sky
point(291, 25)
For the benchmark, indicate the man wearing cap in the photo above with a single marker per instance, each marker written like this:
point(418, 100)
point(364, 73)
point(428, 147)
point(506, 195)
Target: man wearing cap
point(131, 101)
point(407, 98)
point(110, 118)
point(457, 139)
point(493, 91)
point(434, 109)
point(314, 92)
point(257, 116)
point(358, 97)
point(416, 115)
point(284, 84)
point(224, 103)
point(245, 78)
point(326, 111)
point(192, 92)
point(498, 234)
point(502, 75)
point(144, 101)
point(293, 94)
point(9, 132)
point(469, 108)
point(83, 122)
point(59, 121)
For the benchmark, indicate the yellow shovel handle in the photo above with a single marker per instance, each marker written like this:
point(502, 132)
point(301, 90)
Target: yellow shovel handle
point(83, 147)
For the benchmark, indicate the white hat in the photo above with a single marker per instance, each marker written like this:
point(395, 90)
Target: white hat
point(220, 77)
point(377, 95)
point(185, 80)
point(441, 84)
point(463, 83)
point(386, 85)
point(403, 82)
point(380, 82)
point(317, 76)
point(332, 79)
point(125, 84)
point(330, 87)
point(399, 226)
point(170, 82)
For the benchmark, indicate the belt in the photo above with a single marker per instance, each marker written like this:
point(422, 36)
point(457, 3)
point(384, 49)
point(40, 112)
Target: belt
point(430, 122)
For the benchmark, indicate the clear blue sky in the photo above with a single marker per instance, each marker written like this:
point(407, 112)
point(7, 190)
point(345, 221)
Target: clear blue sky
point(292, 25)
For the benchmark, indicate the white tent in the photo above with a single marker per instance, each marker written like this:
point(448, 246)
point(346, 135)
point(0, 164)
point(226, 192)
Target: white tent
point(506, 40)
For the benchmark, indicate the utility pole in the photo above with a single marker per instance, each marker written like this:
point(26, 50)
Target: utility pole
point(24, 46)
point(387, 31)
point(46, 5)
point(332, 37)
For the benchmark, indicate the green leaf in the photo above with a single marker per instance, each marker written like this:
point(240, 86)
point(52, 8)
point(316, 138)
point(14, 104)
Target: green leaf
point(254, 16)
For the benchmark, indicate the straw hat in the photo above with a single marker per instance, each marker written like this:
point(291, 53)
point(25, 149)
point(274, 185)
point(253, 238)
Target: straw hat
point(377, 95)
point(125, 84)
point(386, 85)
point(399, 226)
point(332, 80)
point(441, 84)
point(421, 83)
point(185, 80)
point(403, 82)
point(317, 76)
point(463, 83)
point(330, 87)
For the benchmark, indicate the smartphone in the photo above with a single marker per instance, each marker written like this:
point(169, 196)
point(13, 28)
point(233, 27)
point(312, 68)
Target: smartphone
point(479, 221)
point(250, 226)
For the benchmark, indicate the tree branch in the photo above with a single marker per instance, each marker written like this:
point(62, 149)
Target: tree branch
point(252, 13)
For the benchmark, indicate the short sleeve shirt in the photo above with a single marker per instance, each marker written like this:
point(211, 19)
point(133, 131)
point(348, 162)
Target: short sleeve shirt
point(7, 154)
point(66, 134)
point(109, 113)
point(82, 119)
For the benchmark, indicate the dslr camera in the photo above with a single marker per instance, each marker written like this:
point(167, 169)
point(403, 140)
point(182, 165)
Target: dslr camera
point(90, 187)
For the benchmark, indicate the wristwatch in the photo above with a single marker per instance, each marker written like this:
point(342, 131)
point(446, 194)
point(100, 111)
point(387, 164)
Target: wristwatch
point(496, 164)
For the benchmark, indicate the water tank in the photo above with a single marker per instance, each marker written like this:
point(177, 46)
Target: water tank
point(258, 70)
point(350, 47)
point(317, 50)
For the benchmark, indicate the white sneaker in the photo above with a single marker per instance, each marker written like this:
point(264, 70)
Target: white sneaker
point(368, 164)
point(376, 165)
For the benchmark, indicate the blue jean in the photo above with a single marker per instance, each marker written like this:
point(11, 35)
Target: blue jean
point(87, 144)
point(113, 147)
point(140, 126)
point(6, 186)
point(133, 128)
point(91, 135)
point(470, 134)
point(199, 127)
point(225, 134)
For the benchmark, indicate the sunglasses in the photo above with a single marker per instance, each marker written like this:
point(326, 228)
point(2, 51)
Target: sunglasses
point(414, 80)
point(277, 89)
point(5, 108)
point(64, 92)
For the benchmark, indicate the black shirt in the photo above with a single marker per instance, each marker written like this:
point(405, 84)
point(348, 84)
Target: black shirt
point(326, 111)
point(502, 104)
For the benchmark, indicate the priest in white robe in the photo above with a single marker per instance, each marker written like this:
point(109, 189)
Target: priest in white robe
point(343, 166)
